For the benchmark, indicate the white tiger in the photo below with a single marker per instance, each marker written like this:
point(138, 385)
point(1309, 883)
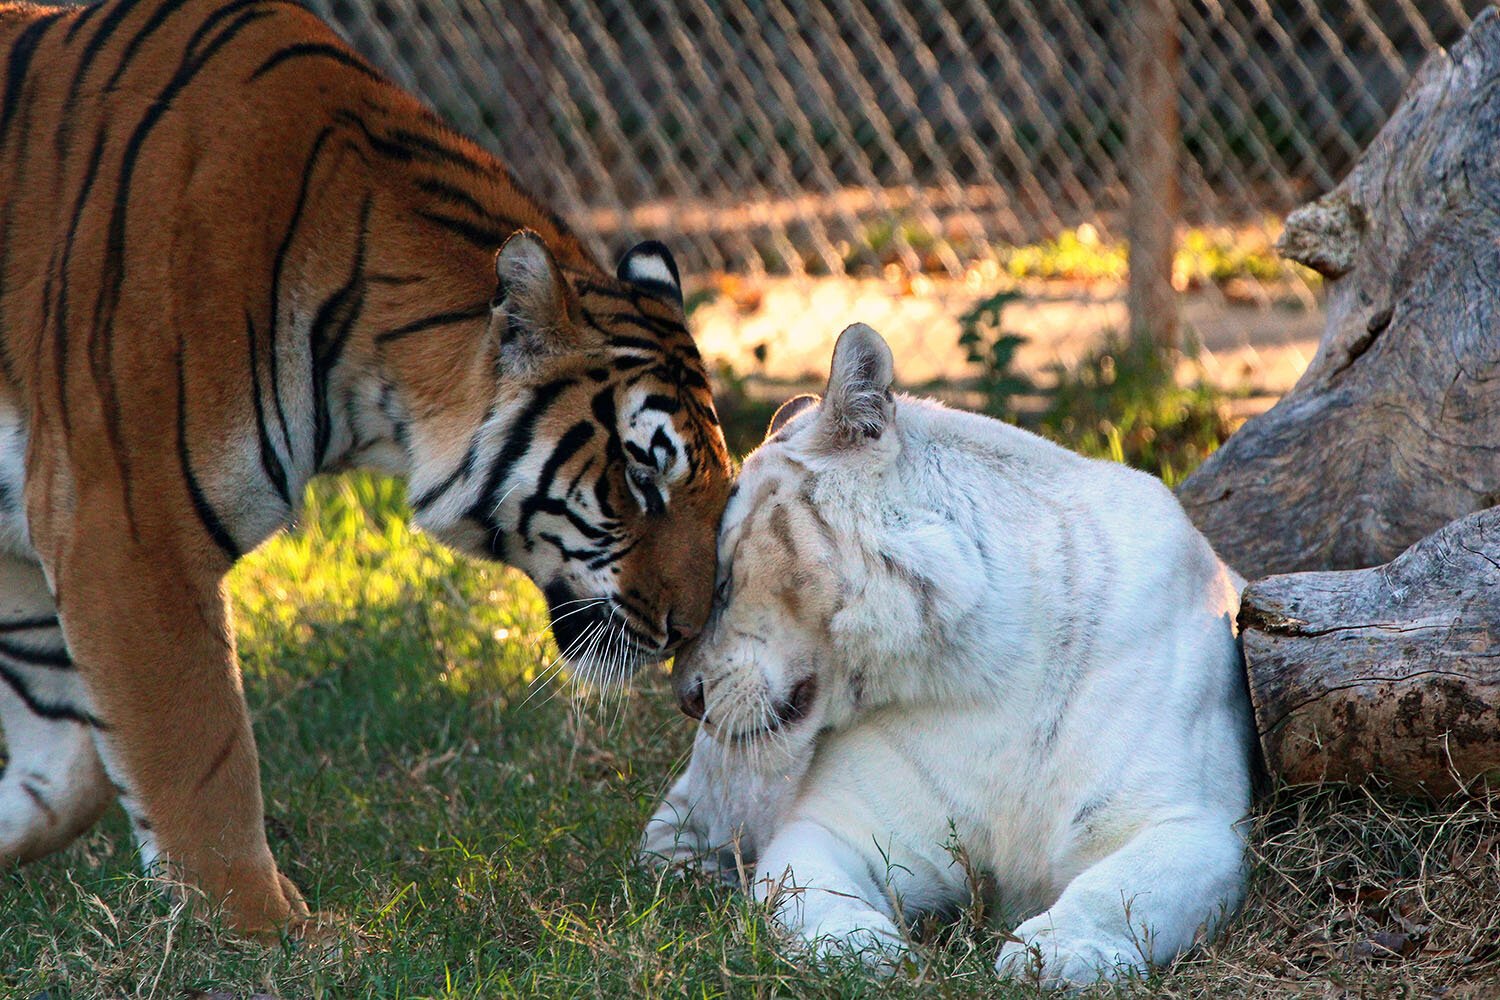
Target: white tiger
point(943, 647)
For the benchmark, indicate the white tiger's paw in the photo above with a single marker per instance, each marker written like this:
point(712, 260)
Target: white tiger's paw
point(665, 845)
point(681, 848)
point(866, 935)
point(1055, 959)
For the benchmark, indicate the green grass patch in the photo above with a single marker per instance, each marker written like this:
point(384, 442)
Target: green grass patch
point(1125, 401)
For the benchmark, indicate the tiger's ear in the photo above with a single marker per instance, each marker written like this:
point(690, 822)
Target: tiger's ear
point(858, 406)
point(534, 310)
point(649, 266)
point(786, 411)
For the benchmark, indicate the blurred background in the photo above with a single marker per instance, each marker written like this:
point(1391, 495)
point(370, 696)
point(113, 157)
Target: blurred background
point(964, 175)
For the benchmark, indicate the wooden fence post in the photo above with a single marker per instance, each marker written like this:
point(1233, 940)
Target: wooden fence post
point(1151, 170)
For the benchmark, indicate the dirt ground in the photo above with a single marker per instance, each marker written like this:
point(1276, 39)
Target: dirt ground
point(1261, 349)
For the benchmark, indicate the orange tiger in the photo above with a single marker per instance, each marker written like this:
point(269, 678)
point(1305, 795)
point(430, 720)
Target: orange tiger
point(233, 256)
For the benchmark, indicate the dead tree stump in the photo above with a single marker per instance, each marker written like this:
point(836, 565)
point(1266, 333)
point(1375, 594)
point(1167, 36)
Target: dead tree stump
point(1392, 671)
point(1391, 434)
point(1394, 430)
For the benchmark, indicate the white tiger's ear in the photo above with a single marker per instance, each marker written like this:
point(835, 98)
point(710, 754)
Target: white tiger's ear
point(791, 408)
point(534, 309)
point(858, 405)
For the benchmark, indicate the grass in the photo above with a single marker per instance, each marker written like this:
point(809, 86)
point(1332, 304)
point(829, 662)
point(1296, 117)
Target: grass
point(1205, 255)
point(478, 829)
point(1125, 401)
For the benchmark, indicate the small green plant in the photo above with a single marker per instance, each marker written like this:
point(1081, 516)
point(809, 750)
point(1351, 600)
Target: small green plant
point(698, 298)
point(1075, 255)
point(992, 352)
point(1123, 401)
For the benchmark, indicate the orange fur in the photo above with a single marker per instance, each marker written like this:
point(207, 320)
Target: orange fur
point(232, 256)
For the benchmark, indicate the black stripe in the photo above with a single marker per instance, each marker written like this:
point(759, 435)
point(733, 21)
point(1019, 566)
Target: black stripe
point(583, 470)
point(377, 143)
point(606, 416)
point(395, 280)
point(60, 342)
point(634, 602)
point(435, 151)
point(572, 441)
point(453, 194)
point(26, 624)
point(7, 223)
point(623, 293)
point(315, 50)
point(539, 503)
point(428, 322)
point(660, 327)
point(277, 266)
point(666, 404)
point(682, 375)
point(406, 146)
point(35, 657)
point(107, 28)
point(613, 556)
point(464, 470)
point(157, 19)
point(219, 760)
point(573, 555)
point(82, 20)
point(47, 710)
point(206, 513)
point(95, 46)
point(479, 234)
point(332, 324)
point(661, 441)
point(22, 50)
point(623, 343)
point(269, 460)
point(40, 802)
point(518, 441)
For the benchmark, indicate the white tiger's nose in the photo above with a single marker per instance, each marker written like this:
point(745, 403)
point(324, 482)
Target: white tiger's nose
point(690, 697)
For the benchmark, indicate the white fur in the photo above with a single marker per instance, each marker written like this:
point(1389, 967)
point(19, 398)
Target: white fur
point(1025, 667)
point(54, 784)
point(645, 267)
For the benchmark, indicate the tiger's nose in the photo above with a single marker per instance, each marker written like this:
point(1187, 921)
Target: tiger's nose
point(690, 698)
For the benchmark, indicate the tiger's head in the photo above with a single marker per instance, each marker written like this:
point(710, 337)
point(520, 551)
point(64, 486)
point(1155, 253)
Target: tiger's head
point(836, 579)
point(595, 464)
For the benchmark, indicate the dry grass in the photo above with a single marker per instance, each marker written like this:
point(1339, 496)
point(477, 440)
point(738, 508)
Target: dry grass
point(1358, 893)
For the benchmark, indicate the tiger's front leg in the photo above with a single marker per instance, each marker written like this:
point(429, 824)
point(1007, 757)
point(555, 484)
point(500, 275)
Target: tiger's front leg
point(146, 622)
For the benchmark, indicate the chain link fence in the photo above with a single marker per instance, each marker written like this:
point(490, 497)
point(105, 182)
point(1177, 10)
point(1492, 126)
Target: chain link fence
point(924, 152)
point(828, 136)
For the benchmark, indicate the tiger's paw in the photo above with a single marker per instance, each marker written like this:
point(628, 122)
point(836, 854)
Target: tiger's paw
point(330, 933)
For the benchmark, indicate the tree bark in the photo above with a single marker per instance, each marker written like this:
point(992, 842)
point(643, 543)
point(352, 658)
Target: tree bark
point(1392, 671)
point(1394, 429)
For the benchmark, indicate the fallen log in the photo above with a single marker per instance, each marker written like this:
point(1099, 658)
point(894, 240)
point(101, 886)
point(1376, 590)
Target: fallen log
point(1392, 671)
point(1394, 429)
